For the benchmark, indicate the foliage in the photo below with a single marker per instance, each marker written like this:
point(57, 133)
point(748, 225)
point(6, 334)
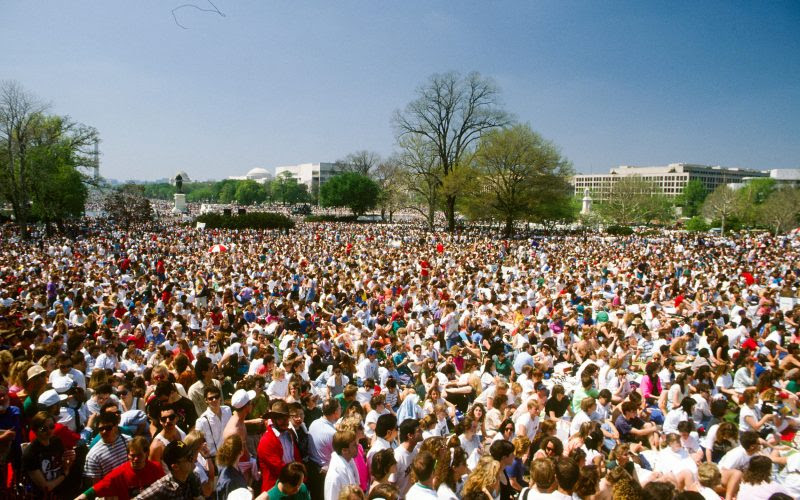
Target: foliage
point(617, 230)
point(250, 220)
point(781, 210)
point(40, 159)
point(331, 218)
point(250, 192)
point(286, 189)
point(696, 223)
point(391, 179)
point(421, 175)
point(751, 196)
point(357, 192)
point(127, 206)
point(519, 176)
point(691, 198)
point(721, 205)
point(633, 200)
point(360, 162)
point(451, 113)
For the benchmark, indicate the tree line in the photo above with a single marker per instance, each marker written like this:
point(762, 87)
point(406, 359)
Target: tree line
point(283, 189)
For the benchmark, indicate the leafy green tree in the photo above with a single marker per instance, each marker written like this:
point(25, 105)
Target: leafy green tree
point(751, 196)
point(36, 152)
point(249, 192)
point(451, 113)
point(696, 224)
point(520, 176)
point(691, 198)
point(781, 210)
point(722, 204)
point(634, 200)
point(200, 194)
point(227, 191)
point(357, 192)
point(285, 189)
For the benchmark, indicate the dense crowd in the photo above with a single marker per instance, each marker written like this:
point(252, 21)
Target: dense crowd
point(385, 361)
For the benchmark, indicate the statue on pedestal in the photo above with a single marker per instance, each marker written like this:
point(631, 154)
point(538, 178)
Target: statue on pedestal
point(178, 184)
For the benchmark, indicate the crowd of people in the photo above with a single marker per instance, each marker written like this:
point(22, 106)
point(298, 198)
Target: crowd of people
point(367, 361)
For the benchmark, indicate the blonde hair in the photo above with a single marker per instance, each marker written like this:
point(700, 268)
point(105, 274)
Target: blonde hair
point(194, 440)
point(350, 423)
point(229, 451)
point(484, 476)
point(351, 492)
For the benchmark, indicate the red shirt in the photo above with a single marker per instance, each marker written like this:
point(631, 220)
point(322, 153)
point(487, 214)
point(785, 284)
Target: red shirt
point(125, 483)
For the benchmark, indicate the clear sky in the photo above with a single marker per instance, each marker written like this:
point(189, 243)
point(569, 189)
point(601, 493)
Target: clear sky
point(285, 82)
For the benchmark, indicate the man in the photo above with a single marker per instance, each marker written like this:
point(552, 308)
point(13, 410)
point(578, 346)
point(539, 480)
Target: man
point(320, 446)
point(214, 419)
point(278, 446)
point(167, 396)
point(410, 435)
point(108, 453)
point(66, 369)
point(347, 396)
point(735, 462)
point(181, 482)
point(632, 428)
point(290, 484)
point(342, 470)
point(205, 370)
point(524, 358)
point(10, 436)
point(242, 402)
point(169, 433)
point(567, 472)
point(127, 480)
point(423, 466)
point(385, 433)
point(527, 424)
point(368, 367)
point(35, 384)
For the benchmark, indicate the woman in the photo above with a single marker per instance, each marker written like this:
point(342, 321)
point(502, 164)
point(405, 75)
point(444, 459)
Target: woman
point(279, 387)
point(469, 439)
point(203, 469)
point(724, 439)
point(478, 412)
point(757, 481)
point(678, 390)
point(450, 469)
point(128, 399)
point(45, 462)
point(750, 417)
point(483, 480)
point(230, 478)
point(354, 424)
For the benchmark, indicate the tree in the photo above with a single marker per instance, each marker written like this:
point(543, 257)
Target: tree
point(634, 200)
point(391, 179)
point(357, 192)
point(721, 204)
point(286, 189)
point(127, 206)
point(452, 113)
point(249, 192)
point(520, 176)
point(361, 162)
point(421, 175)
point(37, 152)
point(781, 210)
point(691, 198)
point(751, 196)
point(696, 224)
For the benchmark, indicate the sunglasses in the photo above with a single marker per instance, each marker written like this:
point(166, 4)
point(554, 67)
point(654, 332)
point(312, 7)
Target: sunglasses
point(169, 418)
point(65, 367)
point(106, 428)
point(122, 393)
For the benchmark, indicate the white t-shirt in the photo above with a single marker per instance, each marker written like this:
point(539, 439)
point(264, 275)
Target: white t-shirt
point(737, 459)
point(531, 424)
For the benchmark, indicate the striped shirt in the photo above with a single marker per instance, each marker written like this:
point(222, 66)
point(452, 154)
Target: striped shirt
point(104, 457)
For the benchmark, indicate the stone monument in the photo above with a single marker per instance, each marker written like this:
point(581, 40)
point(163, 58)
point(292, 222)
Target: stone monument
point(180, 198)
point(587, 202)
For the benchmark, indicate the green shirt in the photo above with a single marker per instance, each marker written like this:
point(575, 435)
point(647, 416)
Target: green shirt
point(344, 403)
point(302, 494)
point(601, 317)
point(503, 367)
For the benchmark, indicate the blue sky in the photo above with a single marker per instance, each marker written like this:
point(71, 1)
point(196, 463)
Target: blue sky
point(276, 83)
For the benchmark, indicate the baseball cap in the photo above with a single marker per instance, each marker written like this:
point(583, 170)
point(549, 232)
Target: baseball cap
point(51, 398)
point(242, 397)
point(174, 452)
point(34, 371)
point(372, 352)
point(63, 384)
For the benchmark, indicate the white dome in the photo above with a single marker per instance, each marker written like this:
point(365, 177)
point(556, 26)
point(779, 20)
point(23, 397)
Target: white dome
point(257, 172)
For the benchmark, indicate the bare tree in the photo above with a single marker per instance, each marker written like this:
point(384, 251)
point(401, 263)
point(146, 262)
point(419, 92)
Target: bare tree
point(361, 162)
point(390, 176)
point(721, 204)
point(451, 113)
point(422, 175)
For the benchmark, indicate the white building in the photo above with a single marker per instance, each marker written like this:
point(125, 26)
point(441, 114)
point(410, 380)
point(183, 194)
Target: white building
point(312, 175)
point(670, 179)
point(257, 174)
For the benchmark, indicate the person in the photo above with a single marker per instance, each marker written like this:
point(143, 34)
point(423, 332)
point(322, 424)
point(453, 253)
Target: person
point(733, 464)
point(44, 461)
point(342, 470)
point(450, 469)
point(108, 453)
point(423, 467)
point(409, 435)
point(130, 478)
point(229, 477)
point(214, 419)
point(205, 371)
point(503, 452)
point(278, 445)
point(320, 445)
point(385, 433)
point(180, 481)
point(482, 481)
point(355, 424)
point(242, 403)
point(10, 438)
point(757, 483)
point(383, 466)
point(169, 432)
point(290, 484)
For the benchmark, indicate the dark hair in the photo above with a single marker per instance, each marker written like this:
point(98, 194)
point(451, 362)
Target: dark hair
point(567, 473)
point(408, 428)
point(211, 389)
point(330, 407)
point(382, 462)
point(558, 446)
point(106, 417)
point(658, 490)
point(748, 439)
point(292, 473)
point(758, 470)
point(423, 465)
point(385, 491)
point(501, 449)
point(385, 424)
point(164, 388)
point(202, 365)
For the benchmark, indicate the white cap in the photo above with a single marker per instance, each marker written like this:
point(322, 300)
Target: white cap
point(51, 398)
point(63, 384)
point(240, 494)
point(242, 397)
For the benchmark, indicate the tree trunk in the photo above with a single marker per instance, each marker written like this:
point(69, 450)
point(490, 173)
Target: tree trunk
point(450, 212)
point(509, 229)
point(431, 216)
point(722, 228)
